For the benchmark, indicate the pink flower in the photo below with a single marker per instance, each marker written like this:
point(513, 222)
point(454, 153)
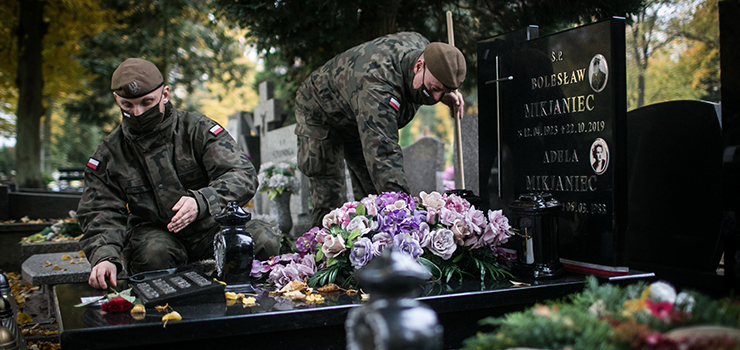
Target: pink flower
point(447, 217)
point(371, 208)
point(476, 220)
point(350, 207)
point(456, 203)
point(335, 217)
point(380, 241)
point(442, 243)
point(359, 222)
point(333, 246)
point(461, 232)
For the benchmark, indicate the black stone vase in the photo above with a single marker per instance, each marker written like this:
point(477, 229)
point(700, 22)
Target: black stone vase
point(392, 319)
point(233, 249)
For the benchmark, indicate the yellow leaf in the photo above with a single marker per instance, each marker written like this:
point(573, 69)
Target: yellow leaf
point(230, 296)
point(66, 257)
point(23, 318)
point(172, 316)
point(81, 253)
point(250, 301)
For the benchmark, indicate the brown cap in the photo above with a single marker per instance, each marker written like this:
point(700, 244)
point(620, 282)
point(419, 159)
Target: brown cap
point(446, 63)
point(135, 77)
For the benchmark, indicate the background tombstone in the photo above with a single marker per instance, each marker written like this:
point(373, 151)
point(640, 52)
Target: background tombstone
point(675, 181)
point(279, 144)
point(566, 98)
point(423, 163)
point(469, 131)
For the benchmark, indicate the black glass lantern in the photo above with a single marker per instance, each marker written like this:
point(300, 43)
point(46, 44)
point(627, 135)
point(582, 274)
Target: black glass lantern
point(536, 218)
point(233, 249)
point(392, 319)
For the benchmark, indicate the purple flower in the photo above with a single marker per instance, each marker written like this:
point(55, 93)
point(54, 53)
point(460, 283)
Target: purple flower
point(296, 270)
point(306, 243)
point(361, 252)
point(407, 244)
point(390, 198)
point(258, 268)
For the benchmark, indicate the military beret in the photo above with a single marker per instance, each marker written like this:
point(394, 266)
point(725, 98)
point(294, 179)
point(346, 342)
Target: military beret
point(446, 63)
point(135, 77)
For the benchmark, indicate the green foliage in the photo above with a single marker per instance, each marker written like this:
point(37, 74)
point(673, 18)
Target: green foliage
point(604, 317)
point(181, 37)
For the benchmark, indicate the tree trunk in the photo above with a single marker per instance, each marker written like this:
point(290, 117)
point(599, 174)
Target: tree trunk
point(31, 31)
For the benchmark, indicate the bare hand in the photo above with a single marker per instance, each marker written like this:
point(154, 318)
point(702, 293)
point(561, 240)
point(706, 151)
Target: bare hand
point(187, 211)
point(104, 270)
point(456, 103)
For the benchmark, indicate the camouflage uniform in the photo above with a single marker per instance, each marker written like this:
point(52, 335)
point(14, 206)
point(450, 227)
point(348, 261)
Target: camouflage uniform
point(132, 182)
point(352, 108)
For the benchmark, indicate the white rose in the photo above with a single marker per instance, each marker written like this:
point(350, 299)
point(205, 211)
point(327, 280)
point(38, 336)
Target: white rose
point(442, 243)
point(662, 291)
point(333, 246)
point(432, 200)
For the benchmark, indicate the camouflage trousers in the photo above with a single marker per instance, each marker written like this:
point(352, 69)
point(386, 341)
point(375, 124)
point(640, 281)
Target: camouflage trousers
point(323, 151)
point(150, 248)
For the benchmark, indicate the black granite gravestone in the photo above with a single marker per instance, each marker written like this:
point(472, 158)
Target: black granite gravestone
point(675, 186)
point(561, 129)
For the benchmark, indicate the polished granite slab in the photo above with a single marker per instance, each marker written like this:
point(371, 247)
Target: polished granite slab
point(279, 323)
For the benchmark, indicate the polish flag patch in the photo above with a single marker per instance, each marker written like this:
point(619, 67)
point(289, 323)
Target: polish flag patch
point(216, 129)
point(394, 104)
point(93, 163)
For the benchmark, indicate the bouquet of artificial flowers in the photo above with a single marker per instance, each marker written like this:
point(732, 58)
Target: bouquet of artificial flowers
point(277, 178)
point(443, 232)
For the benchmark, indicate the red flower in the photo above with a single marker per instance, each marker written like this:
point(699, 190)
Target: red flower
point(660, 310)
point(117, 304)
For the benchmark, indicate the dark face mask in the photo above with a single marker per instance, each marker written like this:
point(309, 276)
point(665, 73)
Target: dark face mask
point(144, 122)
point(422, 95)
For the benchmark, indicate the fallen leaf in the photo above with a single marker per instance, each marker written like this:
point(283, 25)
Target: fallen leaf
point(23, 318)
point(66, 257)
point(249, 302)
point(331, 287)
point(81, 253)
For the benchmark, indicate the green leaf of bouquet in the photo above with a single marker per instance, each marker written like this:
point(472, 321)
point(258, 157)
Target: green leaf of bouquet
point(319, 253)
point(360, 210)
point(431, 267)
point(354, 234)
point(335, 230)
point(272, 195)
point(331, 262)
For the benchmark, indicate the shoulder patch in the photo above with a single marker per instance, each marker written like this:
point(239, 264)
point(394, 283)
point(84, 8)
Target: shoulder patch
point(93, 163)
point(216, 129)
point(394, 103)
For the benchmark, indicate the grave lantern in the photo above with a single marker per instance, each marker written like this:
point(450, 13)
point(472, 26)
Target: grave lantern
point(233, 249)
point(392, 319)
point(536, 218)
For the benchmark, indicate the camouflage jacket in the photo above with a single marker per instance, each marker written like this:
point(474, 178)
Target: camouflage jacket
point(135, 180)
point(365, 91)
